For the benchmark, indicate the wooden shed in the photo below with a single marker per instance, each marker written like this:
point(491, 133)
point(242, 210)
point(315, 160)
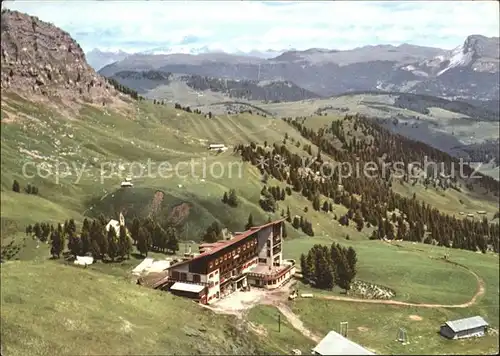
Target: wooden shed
point(463, 328)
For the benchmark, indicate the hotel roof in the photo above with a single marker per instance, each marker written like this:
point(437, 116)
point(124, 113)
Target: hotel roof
point(187, 287)
point(223, 244)
point(466, 323)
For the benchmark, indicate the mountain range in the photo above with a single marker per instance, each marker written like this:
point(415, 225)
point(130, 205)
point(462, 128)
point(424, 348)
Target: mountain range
point(99, 59)
point(470, 71)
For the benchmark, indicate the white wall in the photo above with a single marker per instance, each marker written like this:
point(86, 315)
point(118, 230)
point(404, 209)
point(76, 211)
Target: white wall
point(189, 276)
point(213, 277)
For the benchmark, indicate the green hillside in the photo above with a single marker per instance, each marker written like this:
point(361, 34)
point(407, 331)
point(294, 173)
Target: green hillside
point(103, 314)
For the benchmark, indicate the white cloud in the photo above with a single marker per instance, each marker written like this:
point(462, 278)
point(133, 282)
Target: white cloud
point(233, 25)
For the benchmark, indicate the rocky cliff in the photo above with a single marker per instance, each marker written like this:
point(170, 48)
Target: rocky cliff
point(38, 58)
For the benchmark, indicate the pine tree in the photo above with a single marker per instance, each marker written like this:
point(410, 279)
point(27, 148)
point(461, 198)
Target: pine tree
point(316, 203)
point(311, 264)
point(343, 274)
point(159, 237)
point(172, 240)
point(15, 186)
point(288, 215)
point(359, 221)
point(134, 230)
point(95, 251)
point(250, 222)
point(324, 272)
point(74, 243)
point(351, 262)
point(113, 247)
point(143, 241)
point(57, 242)
point(304, 267)
point(232, 199)
point(224, 198)
point(85, 242)
point(124, 243)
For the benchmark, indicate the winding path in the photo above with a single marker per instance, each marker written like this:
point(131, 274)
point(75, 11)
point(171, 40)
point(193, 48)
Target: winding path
point(479, 292)
point(296, 322)
point(299, 325)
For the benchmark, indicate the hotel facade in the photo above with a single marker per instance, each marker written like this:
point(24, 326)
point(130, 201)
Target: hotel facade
point(251, 258)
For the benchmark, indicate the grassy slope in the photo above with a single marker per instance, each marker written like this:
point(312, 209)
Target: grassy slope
point(282, 338)
point(102, 314)
point(431, 282)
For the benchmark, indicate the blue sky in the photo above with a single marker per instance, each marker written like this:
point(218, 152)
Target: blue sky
point(232, 26)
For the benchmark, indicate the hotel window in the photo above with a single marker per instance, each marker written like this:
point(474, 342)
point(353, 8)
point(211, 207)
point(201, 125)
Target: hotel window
point(217, 262)
point(183, 276)
point(233, 253)
point(211, 265)
point(196, 278)
point(239, 250)
point(225, 257)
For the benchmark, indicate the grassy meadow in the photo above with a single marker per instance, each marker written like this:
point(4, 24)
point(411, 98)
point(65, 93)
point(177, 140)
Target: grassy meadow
point(53, 309)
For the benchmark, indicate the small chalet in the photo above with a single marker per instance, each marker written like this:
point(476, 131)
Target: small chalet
point(115, 224)
point(463, 328)
point(126, 184)
point(217, 147)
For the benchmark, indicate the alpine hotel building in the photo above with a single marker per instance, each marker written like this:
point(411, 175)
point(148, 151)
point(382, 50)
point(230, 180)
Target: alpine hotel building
point(250, 258)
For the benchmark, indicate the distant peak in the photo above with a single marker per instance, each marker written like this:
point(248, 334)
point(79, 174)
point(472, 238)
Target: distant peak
point(481, 46)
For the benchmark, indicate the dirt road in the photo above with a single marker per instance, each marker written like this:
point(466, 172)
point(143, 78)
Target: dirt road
point(296, 322)
point(480, 291)
point(239, 303)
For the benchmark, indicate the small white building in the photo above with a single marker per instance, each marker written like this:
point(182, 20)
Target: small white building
point(464, 328)
point(217, 147)
point(115, 224)
point(126, 184)
point(84, 260)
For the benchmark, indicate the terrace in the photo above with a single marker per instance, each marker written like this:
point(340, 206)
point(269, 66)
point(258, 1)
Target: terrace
point(265, 272)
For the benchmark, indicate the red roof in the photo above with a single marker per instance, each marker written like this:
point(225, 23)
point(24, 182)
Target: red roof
point(223, 244)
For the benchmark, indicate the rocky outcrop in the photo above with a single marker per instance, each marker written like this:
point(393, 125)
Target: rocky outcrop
point(37, 57)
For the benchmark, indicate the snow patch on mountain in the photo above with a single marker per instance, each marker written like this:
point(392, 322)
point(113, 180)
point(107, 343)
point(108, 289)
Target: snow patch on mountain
point(459, 57)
